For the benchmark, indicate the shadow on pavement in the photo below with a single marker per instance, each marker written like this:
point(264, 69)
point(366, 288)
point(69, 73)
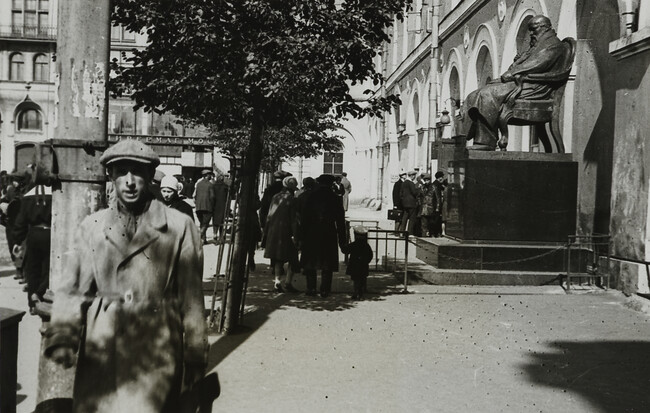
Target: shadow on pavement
point(261, 301)
point(612, 375)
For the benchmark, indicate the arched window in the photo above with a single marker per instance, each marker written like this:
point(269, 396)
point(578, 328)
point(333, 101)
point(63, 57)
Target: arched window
point(41, 69)
point(17, 67)
point(30, 120)
point(484, 66)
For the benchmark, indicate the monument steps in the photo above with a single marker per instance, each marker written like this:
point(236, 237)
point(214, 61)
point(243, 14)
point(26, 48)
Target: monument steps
point(450, 262)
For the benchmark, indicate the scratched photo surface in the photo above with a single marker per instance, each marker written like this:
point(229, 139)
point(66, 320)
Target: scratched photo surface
point(324, 205)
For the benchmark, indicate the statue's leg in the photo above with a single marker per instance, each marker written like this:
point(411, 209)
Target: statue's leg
point(502, 123)
point(485, 138)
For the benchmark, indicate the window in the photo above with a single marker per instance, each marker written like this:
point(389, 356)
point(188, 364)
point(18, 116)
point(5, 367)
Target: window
point(121, 34)
point(30, 17)
point(30, 119)
point(121, 119)
point(484, 66)
point(17, 67)
point(333, 163)
point(41, 69)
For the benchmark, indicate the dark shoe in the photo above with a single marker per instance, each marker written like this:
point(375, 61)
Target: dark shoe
point(290, 288)
point(311, 293)
point(324, 294)
point(22, 281)
point(354, 297)
point(277, 287)
point(25, 288)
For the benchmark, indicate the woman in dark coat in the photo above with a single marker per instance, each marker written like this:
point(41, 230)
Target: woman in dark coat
point(280, 234)
point(322, 232)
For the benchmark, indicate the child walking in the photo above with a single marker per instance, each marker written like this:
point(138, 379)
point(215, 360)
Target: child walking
point(360, 255)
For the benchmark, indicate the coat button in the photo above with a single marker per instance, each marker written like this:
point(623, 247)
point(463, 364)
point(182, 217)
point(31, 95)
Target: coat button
point(128, 297)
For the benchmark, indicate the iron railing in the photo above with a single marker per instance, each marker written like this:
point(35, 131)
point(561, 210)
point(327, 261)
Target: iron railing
point(28, 32)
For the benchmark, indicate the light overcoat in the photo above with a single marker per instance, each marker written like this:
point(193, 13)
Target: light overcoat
point(281, 226)
point(134, 309)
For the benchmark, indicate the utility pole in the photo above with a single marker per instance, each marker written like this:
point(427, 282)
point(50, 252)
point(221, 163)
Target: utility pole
point(433, 79)
point(81, 112)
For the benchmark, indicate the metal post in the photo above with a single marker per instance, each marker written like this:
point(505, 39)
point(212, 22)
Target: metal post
point(406, 263)
point(83, 45)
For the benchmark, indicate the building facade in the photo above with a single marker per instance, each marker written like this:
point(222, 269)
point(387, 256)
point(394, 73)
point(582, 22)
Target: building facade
point(28, 91)
point(439, 54)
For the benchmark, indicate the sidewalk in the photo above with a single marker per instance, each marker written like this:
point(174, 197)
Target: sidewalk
point(437, 349)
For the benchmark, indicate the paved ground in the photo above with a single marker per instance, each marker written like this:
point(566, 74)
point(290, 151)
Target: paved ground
point(437, 349)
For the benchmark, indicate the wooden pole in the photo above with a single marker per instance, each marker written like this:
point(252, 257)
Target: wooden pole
point(81, 112)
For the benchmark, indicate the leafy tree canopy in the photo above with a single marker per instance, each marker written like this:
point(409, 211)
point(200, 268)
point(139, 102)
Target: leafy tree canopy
point(224, 63)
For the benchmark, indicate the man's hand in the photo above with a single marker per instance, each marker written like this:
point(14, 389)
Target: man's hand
point(63, 356)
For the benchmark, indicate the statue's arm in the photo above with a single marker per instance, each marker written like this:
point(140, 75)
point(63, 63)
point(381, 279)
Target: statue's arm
point(540, 62)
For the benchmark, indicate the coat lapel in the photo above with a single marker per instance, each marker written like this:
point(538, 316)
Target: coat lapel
point(151, 224)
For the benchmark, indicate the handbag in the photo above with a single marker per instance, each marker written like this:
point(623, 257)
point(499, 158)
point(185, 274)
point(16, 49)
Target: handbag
point(395, 214)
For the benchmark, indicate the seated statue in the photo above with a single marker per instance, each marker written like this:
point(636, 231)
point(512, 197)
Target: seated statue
point(486, 105)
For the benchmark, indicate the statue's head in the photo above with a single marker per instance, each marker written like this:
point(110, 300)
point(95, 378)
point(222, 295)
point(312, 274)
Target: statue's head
point(539, 24)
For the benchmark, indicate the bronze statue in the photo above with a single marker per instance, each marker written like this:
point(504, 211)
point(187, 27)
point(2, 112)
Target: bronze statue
point(487, 106)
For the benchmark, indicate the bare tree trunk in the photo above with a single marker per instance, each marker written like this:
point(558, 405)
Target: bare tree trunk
point(249, 170)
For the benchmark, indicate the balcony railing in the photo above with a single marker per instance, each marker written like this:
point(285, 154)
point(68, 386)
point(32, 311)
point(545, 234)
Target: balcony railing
point(28, 32)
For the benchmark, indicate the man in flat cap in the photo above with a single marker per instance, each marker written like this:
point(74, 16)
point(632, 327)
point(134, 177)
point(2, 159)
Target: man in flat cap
point(204, 201)
point(130, 299)
point(409, 195)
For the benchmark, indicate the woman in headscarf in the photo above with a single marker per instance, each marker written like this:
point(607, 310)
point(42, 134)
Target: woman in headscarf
point(280, 234)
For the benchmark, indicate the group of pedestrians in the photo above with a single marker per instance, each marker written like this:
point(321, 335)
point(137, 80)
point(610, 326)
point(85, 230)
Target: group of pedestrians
point(26, 213)
point(305, 229)
point(421, 201)
point(211, 203)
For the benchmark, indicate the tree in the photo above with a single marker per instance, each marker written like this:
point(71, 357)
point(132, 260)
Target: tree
point(255, 65)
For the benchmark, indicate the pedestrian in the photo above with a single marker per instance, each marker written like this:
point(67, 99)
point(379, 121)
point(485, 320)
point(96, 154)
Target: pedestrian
point(430, 204)
point(188, 188)
point(339, 190)
point(397, 198)
point(322, 233)
point(281, 235)
point(155, 184)
point(347, 187)
point(269, 192)
point(169, 189)
point(204, 202)
point(32, 226)
point(360, 255)
point(408, 198)
point(219, 215)
point(439, 185)
point(130, 299)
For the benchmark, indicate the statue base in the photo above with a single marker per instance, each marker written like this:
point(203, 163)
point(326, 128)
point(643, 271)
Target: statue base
point(511, 196)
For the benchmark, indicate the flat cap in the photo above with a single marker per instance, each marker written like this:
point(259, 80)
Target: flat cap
point(206, 171)
point(402, 172)
point(413, 172)
point(426, 176)
point(132, 150)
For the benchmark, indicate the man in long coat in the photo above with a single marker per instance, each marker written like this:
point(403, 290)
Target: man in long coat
point(409, 195)
point(484, 105)
point(130, 298)
point(322, 233)
point(204, 201)
point(347, 186)
point(221, 190)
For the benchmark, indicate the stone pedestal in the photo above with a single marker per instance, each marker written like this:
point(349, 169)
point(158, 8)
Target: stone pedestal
point(517, 197)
